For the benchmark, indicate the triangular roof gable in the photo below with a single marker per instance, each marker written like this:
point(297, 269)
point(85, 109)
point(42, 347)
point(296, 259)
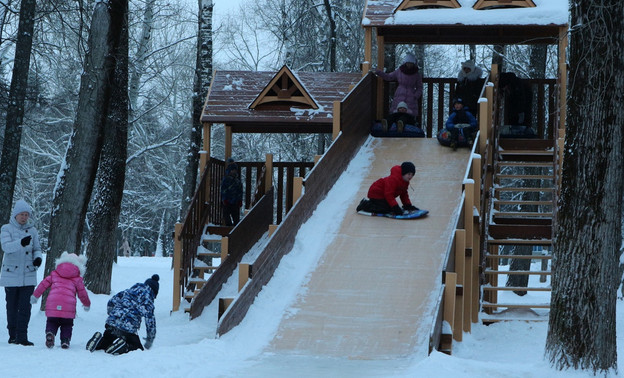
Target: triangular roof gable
point(406, 4)
point(504, 3)
point(284, 87)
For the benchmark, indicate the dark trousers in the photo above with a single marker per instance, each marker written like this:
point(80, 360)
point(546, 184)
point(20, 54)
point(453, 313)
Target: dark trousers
point(66, 326)
point(231, 212)
point(379, 206)
point(113, 333)
point(18, 311)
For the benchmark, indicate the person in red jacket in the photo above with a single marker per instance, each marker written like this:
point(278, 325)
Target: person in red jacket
point(383, 193)
point(65, 282)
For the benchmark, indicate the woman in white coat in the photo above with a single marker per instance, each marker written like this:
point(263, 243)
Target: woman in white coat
point(22, 257)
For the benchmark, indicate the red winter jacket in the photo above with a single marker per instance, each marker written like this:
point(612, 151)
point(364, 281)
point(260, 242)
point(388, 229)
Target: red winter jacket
point(64, 282)
point(391, 187)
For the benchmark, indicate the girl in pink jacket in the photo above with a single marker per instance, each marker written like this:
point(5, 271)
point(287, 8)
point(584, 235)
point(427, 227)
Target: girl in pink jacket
point(64, 283)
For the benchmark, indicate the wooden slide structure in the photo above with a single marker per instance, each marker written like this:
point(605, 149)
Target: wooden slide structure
point(373, 294)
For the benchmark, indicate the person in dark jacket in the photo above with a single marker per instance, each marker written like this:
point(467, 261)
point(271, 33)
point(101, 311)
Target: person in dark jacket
point(398, 120)
point(469, 84)
point(461, 121)
point(516, 96)
point(22, 258)
point(231, 194)
point(125, 311)
point(382, 193)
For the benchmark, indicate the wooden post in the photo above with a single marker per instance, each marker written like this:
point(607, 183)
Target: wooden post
point(450, 288)
point(228, 142)
point(243, 275)
point(317, 158)
point(225, 245)
point(336, 120)
point(204, 154)
point(268, 174)
point(476, 176)
point(272, 228)
point(177, 266)
point(368, 50)
point(224, 303)
point(484, 124)
point(460, 269)
point(297, 188)
point(468, 211)
point(380, 64)
point(474, 285)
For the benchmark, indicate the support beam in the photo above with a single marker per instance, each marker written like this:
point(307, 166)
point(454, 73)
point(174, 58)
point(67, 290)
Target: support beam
point(380, 64)
point(268, 173)
point(368, 50)
point(297, 188)
point(336, 120)
point(228, 142)
point(244, 271)
point(177, 266)
point(225, 246)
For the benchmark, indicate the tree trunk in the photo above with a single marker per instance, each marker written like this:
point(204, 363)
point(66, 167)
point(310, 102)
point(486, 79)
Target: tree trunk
point(77, 174)
point(138, 67)
point(203, 76)
point(106, 206)
point(332, 36)
point(15, 108)
point(581, 329)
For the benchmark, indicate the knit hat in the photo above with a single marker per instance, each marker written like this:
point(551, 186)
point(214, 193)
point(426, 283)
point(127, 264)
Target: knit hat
point(407, 167)
point(458, 100)
point(468, 64)
point(21, 206)
point(402, 104)
point(153, 283)
point(409, 58)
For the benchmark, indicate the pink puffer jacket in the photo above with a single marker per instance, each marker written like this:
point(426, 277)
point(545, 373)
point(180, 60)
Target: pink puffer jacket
point(64, 283)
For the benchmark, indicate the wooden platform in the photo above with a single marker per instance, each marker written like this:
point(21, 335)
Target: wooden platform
point(372, 295)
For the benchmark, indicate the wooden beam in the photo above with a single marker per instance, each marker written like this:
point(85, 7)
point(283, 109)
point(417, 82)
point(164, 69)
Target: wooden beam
point(177, 266)
point(268, 173)
point(380, 83)
point(450, 285)
point(225, 246)
point(297, 188)
point(336, 120)
point(368, 50)
point(563, 76)
point(243, 275)
point(228, 142)
point(481, 4)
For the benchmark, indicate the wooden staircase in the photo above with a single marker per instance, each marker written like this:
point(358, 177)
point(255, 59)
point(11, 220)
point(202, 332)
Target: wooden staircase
point(522, 206)
point(206, 262)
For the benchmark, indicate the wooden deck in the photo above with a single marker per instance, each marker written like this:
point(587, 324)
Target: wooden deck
point(372, 295)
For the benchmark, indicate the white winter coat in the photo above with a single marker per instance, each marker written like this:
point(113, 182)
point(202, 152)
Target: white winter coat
point(17, 263)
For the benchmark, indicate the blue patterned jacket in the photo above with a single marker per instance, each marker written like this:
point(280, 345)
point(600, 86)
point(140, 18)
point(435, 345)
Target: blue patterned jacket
point(126, 308)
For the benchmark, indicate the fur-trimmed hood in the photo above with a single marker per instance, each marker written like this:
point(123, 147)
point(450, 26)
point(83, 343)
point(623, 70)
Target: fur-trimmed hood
point(473, 74)
point(80, 261)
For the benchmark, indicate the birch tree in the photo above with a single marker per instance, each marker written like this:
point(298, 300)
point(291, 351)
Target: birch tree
point(581, 329)
point(201, 83)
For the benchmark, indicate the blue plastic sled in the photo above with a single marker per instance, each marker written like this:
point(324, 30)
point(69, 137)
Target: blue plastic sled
point(411, 215)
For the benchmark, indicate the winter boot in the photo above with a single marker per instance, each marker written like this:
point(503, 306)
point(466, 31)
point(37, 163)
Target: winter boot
point(361, 205)
point(119, 346)
point(65, 343)
point(50, 340)
point(94, 341)
point(24, 342)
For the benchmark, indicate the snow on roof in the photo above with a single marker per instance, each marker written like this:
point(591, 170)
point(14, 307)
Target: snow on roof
point(546, 12)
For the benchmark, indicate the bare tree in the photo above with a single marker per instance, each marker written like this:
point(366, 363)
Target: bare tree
point(581, 329)
point(15, 110)
point(203, 76)
point(77, 174)
point(106, 202)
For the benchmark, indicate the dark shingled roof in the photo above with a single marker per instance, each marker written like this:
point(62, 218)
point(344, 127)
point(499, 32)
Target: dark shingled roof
point(231, 93)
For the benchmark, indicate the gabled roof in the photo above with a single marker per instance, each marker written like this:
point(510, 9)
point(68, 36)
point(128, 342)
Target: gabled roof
point(284, 87)
point(398, 23)
point(405, 4)
point(233, 92)
point(503, 3)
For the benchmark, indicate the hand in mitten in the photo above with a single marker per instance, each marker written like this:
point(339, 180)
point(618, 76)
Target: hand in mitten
point(86, 308)
point(33, 299)
point(37, 261)
point(397, 210)
point(410, 208)
point(26, 240)
point(148, 343)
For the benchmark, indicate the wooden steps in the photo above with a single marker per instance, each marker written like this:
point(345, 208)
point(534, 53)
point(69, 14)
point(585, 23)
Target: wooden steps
point(518, 272)
point(514, 288)
point(520, 257)
point(515, 305)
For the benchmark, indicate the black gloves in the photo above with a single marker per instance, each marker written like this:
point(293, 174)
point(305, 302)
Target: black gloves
point(26, 240)
point(397, 210)
point(37, 261)
point(410, 208)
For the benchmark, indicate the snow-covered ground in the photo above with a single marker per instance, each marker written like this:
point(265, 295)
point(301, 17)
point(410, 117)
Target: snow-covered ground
point(186, 348)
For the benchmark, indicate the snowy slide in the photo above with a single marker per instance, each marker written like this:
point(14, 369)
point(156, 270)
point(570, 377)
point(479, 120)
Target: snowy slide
point(370, 293)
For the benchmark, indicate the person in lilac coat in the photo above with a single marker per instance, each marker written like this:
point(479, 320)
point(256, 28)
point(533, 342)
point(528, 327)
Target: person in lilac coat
point(65, 282)
point(410, 85)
